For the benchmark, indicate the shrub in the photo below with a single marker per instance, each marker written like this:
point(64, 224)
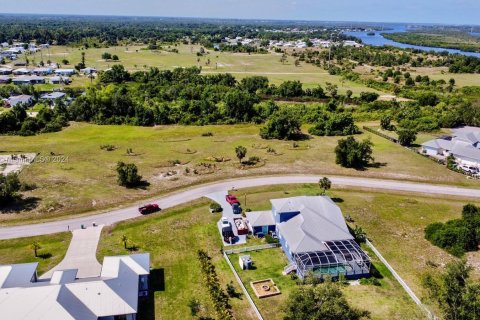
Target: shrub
point(406, 136)
point(128, 175)
point(215, 207)
point(353, 154)
point(281, 125)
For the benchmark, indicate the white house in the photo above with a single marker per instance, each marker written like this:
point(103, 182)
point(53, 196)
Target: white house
point(112, 295)
point(464, 145)
point(65, 72)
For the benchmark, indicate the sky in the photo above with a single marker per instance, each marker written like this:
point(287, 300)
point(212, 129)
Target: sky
point(420, 11)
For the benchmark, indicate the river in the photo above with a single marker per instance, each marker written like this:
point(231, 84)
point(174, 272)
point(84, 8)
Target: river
point(379, 40)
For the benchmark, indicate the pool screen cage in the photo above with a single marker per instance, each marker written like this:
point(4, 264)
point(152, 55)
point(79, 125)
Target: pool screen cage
point(341, 257)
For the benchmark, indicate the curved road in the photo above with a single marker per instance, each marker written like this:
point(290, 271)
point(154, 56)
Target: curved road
point(188, 195)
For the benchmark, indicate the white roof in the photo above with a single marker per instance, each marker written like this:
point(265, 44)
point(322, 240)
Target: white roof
point(65, 298)
point(465, 143)
point(318, 220)
point(260, 218)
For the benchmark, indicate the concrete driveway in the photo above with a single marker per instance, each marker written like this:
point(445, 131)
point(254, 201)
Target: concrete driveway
point(81, 254)
point(219, 197)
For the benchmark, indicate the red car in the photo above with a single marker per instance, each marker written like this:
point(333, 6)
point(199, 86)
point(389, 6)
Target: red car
point(149, 208)
point(231, 199)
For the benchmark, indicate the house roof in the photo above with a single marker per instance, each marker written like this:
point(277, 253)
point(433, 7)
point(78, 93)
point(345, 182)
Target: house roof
point(260, 218)
point(53, 95)
point(318, 220)
point(463, 144)
point(65, 298)
point(17, 275)
point(23, 98)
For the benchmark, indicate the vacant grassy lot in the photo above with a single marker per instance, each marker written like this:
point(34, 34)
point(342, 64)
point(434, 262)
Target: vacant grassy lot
point(52, 251)
point(84, 179)
point(239, 64)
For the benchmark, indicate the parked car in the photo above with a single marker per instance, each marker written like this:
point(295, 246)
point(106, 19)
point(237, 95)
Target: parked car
point(236, 208)
point(225, 222)
point(231, 199)
point(149, 208)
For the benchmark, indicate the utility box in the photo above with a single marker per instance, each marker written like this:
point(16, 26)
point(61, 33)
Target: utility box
point(245, 262)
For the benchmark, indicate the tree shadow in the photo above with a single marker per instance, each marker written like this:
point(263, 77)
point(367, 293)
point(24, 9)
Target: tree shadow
point(376, 165)
point(133, 248)
point(301, 137)
point(45, 256)
point(21, 204)
point(146, 305)
point(374, 272)
point(338, 200)
point(143, 185)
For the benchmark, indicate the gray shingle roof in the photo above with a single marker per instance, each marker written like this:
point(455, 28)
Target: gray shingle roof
point(260, 218)
point(319, 220)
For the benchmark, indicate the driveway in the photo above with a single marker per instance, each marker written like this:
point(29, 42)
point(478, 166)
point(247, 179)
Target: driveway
point(197, 192)
point(219, 197)
point(81, 254)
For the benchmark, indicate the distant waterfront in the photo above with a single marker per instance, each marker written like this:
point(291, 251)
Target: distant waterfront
point(379, 40)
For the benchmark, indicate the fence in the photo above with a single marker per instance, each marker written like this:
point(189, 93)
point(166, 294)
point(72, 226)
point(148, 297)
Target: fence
point(237, 277)
point(253, 248)
point(380, 134)
point(401, 281)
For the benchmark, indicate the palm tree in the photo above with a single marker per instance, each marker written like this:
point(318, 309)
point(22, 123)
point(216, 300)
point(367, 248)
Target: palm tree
point(325, 184)
point(35, 246)
point(241, 152)
point(125, 241)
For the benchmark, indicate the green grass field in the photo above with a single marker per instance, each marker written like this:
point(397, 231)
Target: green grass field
point(86, 179)
point(52, 251)
point(238, 64)
point(393, 222)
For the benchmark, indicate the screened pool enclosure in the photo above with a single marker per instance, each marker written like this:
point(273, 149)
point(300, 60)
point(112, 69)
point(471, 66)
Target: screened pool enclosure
point(344, 257)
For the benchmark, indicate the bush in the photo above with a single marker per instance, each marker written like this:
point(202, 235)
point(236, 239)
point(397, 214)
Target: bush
point(406, 136)
point(334, 124)
point(281, 125)
point(128, 175)
point(215, 207)
point(353, 154)
point(9, 186)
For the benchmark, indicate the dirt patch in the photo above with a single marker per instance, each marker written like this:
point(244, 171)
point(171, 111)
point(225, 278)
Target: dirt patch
point(265, 288)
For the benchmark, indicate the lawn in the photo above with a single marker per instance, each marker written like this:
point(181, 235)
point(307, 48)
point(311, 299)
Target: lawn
point(85, 178)
point(387, 301)
point(393, 222)
point(173, 238)
point(52, 251)
point(241, 65)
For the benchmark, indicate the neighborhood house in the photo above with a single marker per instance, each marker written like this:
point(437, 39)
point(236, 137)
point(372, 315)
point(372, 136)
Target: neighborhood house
point(464, 145)
point(314, 236)
point(113, 295)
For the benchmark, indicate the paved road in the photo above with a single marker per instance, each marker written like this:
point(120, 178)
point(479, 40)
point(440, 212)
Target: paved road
point(81, 254)
point(200, 191)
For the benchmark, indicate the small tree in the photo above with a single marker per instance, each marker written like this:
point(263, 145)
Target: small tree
point(194, 306)
point(406, 136)
point(241, 152)
point(322, 301)
point(386, 123)
point(125, 241)
point(9, 186)
point(65, 62)
point(359, 234)
point(325, 184)
point(353, 154)
point(35, 246)
point(128, 174)
point(115, 57)
point(106, 56)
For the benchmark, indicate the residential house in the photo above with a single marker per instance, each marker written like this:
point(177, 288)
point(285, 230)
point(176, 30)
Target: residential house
point(463, 144)
point(5, 71)
point(21, 71)
point(5, 79)
point(42, 71)
point(24, 99)
point(59, 80)
point(111, 296)
point(314, 236)
point(65, 72)
point(22, 80)
point(88, 71)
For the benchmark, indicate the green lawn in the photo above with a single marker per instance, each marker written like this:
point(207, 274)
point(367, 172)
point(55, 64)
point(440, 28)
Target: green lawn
point(393, 222)
point(86, 180)
point(173, 238)
point(52, 251)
